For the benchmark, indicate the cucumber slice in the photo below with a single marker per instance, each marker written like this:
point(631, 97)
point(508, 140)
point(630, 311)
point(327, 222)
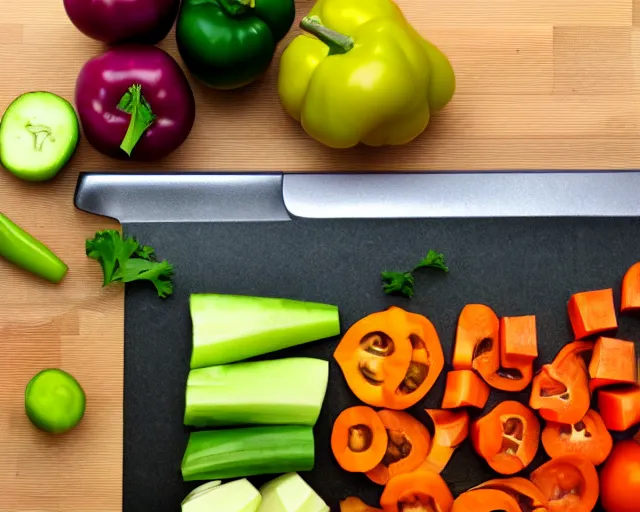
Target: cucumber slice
point(39, 134)
point(54, 401)
point(248, 451)
point(279, 392)
point(230, 328)
point(236, 496)
point(290, 493)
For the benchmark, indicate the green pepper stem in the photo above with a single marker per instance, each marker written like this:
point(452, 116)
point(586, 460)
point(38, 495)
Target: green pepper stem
point(237, 7)
point(337, 42)
point(141, 117)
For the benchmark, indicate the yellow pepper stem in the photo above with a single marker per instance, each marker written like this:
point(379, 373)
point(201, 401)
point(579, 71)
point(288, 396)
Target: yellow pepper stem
point(337, 42)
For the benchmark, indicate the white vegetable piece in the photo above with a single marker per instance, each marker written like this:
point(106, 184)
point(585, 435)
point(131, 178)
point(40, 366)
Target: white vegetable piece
point(290, 493)
point(236, 496)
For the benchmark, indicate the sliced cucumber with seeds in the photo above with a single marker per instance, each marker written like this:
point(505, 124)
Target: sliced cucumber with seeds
point(39, 134)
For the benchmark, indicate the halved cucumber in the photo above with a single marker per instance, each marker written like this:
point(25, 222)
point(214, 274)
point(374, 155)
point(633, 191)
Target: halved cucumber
point(39, 134)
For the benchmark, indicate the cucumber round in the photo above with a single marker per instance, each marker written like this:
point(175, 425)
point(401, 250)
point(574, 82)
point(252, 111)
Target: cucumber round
point(39, 134)
point(54, 401)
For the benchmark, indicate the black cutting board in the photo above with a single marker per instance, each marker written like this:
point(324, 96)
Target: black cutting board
point(516, 265)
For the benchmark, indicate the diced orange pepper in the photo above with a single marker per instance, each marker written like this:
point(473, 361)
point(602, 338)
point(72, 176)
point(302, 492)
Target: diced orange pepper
point(507, 437)
point(409, 442)
point(424, 490)
point(570, 483)
point(485, 500)
point(518, 338)
point(620, 407)
point(391, 358)
point(450, 429)
point(358, 439)
point(592, 312)
point(560, 391)
point(588, 437)
point(526, 494)
point(613, 362)
point(464, 388)
point(354, 504)
point(630, 299)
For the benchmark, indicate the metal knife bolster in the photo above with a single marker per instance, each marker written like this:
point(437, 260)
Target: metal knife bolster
point(224, 197)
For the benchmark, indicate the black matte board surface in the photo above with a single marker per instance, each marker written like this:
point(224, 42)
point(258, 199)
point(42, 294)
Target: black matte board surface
point(517, 266)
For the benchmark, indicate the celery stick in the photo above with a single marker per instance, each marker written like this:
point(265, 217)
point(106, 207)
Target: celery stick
point(279, 392)
point(230, 328)
point(236, 496)
point(290, 493)
point(241, 452)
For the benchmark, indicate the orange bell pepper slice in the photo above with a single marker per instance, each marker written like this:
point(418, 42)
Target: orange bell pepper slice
point(570, 483)
point(355, 504)
point(560, 390)
point(620, 408)
point(464, 388)
point(409, 442)
point(526, 494)
point(358, 439)
point(630, 298)
point(613, 362)
point(390, 358)
point(450, 428)
point(518, 338)
point(477, 339)
point(478, 347)
point(507, 437)
point(419, 490)
point(485, 500)
point(592, 312)
point(588, 437)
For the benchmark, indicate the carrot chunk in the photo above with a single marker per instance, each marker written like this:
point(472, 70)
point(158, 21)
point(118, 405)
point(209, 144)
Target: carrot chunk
point(518, 338)
point(613, 362)
point(592, 312)
point(464, 388)
point(408, 443)
point(620, 408)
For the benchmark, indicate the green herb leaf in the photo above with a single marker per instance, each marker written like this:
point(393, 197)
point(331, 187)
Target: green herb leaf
point(124, 260)
point(433, 259)
point(400, 283)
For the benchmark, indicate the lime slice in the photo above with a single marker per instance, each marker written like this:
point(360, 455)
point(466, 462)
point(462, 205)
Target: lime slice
point(39, 134)
point(54, 401)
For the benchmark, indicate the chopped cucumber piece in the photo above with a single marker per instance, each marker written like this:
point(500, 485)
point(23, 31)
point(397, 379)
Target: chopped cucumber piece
point(290, 493)
point(236, 496)
point(279, 392)
point(39, 134)
point(241, 452)
point(230, 328)
point(54, 401)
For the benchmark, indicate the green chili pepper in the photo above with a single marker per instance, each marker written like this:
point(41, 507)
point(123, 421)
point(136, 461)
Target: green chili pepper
point(28, 253)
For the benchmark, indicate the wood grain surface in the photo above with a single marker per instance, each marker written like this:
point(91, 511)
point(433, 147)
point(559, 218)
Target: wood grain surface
point(545, 84)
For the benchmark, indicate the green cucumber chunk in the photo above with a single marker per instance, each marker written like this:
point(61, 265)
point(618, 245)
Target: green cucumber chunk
point(286, 391)
point(290, 493)
point(248, 451)
point(230, 328)
point(54, 401)
point(39, 133)
point(237, 496)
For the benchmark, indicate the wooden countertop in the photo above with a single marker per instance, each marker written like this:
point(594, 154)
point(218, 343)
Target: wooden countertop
point(546, 84)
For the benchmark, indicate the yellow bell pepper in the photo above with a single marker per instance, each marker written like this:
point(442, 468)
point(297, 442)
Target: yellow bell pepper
point(362, 74)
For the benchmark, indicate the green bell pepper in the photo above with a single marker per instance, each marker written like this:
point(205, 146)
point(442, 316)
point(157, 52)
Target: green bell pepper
point(22, 249)
point(228, 44)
